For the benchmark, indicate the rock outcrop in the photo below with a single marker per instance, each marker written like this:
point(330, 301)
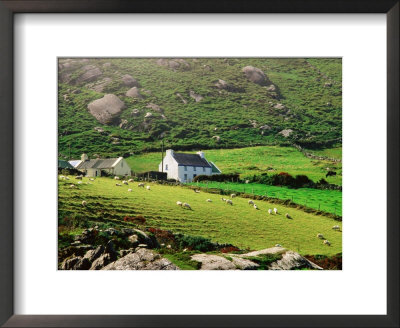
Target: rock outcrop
point(134, 93)
point(141, 259)
point(256, 75)
point(90, 74)
point(129, 81)
point(106, 109)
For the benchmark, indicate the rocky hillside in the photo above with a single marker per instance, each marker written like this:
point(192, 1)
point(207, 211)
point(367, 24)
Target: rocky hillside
point(134, 249)
point(123, 106)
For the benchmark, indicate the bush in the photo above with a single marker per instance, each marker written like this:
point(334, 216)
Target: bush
point(195, 243)
point(217, 177)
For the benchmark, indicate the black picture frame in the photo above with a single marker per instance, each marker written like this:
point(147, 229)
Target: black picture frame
point(10, 7)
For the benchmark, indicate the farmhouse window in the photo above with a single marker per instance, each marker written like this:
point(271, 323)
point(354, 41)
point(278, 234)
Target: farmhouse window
point(166, 167)
point(194, 168)
point(185, 168)
point(185, 177)
point(204, 169)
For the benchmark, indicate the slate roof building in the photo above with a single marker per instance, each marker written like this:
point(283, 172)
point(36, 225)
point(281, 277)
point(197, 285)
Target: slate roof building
point(184, 167)
point(98, 167)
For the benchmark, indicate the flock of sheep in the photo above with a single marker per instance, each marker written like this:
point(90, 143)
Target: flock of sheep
point(187, 206)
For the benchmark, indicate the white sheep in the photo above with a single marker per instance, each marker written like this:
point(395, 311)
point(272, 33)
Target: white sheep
point(130, 190)
point(255, 206)
point(269, 211)
point(84, 203)
point(148, 187)
point(179, 203)
point(326, 242)
point(223, 199)
point(141, 185)
point(91, 179)
point(130, 180)
point(197, 191)
point(233, 195)
point(72, 186)
point(118, 184)
point(336, 227)
point(186, 205)
point(320, 236)
point(251, 202)
point(275, 210)
point(116, 178)
point(288, 216)
point(209, 200)
point(62, 177)
point(79, 182)
point(125, 182)
point(229, 201)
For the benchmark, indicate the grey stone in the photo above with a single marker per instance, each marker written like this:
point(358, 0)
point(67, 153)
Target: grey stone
point(256, 75)
point(106, 109)
point(213, 262)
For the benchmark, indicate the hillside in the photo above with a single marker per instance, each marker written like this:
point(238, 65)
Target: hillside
point(206, 103)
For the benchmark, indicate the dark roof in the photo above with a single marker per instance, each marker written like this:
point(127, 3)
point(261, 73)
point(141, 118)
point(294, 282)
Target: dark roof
point(190, 159)
point(97, 164)
point(64, 164)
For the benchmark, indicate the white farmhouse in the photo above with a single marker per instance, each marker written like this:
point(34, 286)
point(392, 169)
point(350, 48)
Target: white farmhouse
point(95, 167)
point(184, 167)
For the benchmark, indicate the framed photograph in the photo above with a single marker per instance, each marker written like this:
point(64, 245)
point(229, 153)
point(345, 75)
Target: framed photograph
point(194, 165)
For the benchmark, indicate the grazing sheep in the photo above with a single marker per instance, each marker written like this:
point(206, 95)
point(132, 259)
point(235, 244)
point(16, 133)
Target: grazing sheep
point(233, 195)
point(326, 242)
point(269, 211)
point(179, 203)
point(91, 179)
point(223, 199)
point(84, 203)
point(79, 182)
point(186, 205)
point(72, 186)
point(251, 202)
point(288, 216)
point(130, 190)
point(336, 227)
point(141, 185)
point(196, 191)
point(118, 184)
point(320, 236)
point(275, 210)
point(229, 201)
point(116, 178)
point(255, 206)
point(130, 180)
point(62, 177)
point(148, 187)
point(278, 245)
point(125, 182)
point(66, 178)
point(209, 200)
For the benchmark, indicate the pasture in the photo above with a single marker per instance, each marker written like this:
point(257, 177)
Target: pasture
point(254, 161)
point(240, 224)
point(325, 200)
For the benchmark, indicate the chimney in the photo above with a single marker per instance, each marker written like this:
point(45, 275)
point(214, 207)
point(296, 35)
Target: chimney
point(169, 152)
point(84, 158)
point(201, 154)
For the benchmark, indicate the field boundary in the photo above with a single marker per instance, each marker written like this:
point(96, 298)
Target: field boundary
point(273, 200)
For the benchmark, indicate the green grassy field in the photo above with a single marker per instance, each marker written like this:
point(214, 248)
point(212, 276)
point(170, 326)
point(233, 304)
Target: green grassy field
point(335, 153)
point(240, 224)
point(255, 160)
point(325, 200)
